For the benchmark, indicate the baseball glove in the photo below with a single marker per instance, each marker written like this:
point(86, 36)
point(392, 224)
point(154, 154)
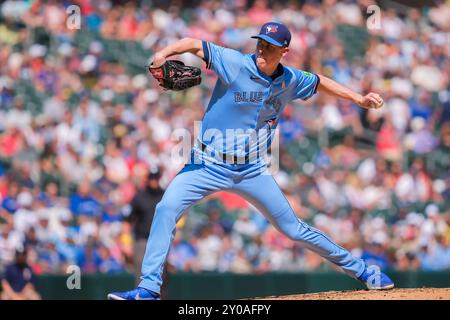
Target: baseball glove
point(175, 75)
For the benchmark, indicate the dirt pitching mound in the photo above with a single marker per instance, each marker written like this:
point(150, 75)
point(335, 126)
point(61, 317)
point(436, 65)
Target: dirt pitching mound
point(394, 294)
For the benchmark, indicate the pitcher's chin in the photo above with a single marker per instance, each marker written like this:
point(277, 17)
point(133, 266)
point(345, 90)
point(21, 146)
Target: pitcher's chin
point(261, 62)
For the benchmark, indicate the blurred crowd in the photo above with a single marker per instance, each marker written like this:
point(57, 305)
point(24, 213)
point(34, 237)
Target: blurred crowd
point(79, 132)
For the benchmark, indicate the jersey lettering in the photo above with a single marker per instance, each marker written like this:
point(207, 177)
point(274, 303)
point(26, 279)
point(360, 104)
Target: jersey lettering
point(252, 96)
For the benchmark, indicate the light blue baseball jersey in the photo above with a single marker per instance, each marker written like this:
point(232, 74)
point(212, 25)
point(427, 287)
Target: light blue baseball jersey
point(246, 104)
point(243, 100)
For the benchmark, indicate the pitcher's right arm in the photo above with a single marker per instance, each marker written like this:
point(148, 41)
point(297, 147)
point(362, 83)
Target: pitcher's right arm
point(184, 45)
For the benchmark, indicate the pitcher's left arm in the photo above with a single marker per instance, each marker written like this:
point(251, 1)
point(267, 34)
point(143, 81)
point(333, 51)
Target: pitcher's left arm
point(371, 100)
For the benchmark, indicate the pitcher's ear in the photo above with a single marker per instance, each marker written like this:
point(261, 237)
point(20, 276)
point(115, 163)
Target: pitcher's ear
point(285, 51)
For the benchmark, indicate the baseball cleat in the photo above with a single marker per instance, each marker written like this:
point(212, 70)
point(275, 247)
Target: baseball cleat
point(136, 294)
point(374, 279)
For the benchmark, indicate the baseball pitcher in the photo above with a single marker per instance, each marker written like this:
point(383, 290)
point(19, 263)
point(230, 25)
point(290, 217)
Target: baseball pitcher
point(248, 98)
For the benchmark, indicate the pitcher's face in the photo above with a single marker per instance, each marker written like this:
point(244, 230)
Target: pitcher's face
point(267, 54)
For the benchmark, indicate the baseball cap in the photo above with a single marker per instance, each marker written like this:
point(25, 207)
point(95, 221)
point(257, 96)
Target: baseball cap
point(154, 174)
point(275, 33)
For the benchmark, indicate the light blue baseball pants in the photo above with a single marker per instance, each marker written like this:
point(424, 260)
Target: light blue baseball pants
point(196, 181)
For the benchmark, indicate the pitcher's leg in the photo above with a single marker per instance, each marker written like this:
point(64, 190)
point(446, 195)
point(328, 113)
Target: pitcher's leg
point(189, 186)
point(265, 194)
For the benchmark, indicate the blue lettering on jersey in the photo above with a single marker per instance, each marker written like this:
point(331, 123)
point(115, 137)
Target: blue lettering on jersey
point(251, 96)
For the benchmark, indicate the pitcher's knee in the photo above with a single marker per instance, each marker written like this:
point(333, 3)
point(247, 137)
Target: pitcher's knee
point(296, 231)
point(166, 210)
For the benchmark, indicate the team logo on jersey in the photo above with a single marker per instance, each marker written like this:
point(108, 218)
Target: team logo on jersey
point(271, 122)
point(271, 28)
point(275, 103)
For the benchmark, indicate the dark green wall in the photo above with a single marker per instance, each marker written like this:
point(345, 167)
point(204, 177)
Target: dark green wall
point(231, 286)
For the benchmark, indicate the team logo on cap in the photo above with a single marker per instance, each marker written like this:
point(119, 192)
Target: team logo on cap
point(271, 28)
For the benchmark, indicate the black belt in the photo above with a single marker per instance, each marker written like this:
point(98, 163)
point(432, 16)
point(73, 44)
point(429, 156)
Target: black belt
point(227, 158)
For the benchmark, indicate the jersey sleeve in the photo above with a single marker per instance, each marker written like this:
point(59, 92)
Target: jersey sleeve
point(224, 61)
point(306, 86)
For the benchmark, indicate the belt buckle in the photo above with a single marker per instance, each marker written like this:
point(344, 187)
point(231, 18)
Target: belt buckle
point(234, 159)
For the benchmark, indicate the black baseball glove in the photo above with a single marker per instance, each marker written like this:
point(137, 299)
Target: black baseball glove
point(175, 75)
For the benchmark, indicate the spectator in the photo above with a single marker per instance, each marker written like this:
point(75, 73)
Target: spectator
point(141, 217)
point(18, 281)
point(375, 254)
point(83, 204)
point(291, 127)
point(9, 202)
